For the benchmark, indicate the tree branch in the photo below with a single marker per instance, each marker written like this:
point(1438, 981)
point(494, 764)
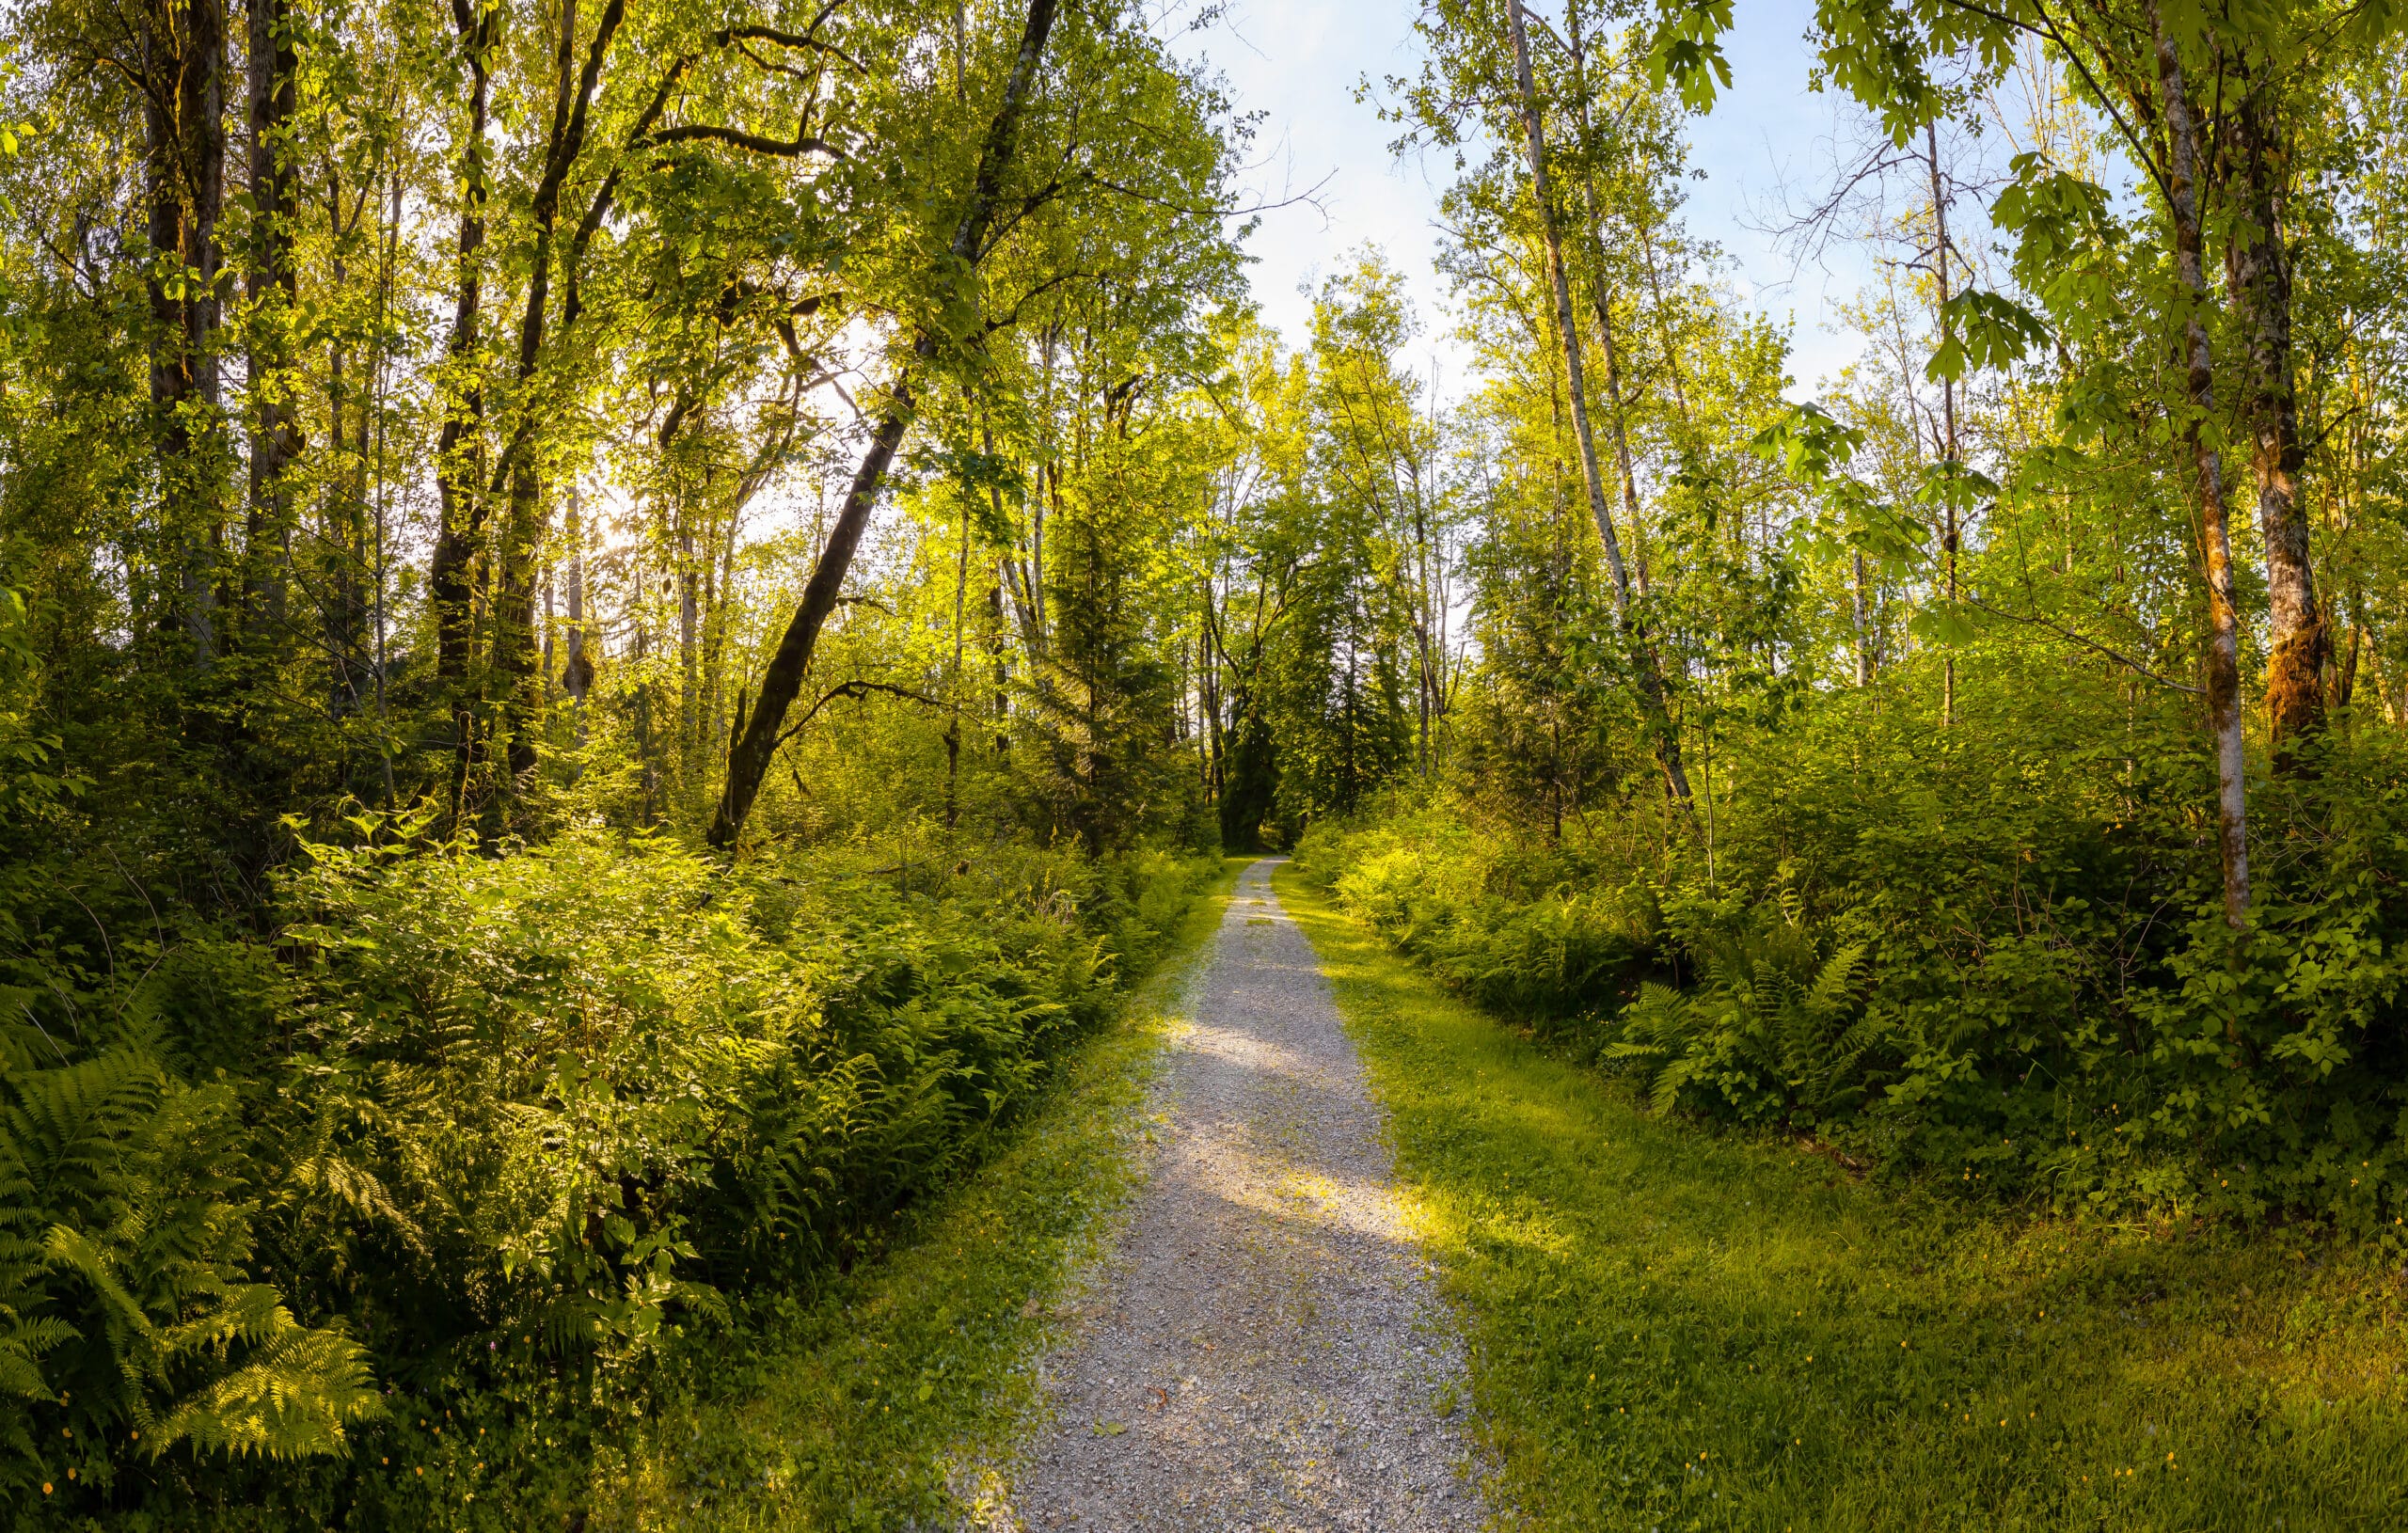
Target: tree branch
point(857, 690)
point(802, 143)
point(2091, 644)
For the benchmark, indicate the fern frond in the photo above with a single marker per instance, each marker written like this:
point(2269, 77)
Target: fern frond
point(357, 1189)
point(250, 1313)
point(1675, 1075)
point(20, 1351)
point(295, 1397)
point(77, 1253)
point(1835, 986)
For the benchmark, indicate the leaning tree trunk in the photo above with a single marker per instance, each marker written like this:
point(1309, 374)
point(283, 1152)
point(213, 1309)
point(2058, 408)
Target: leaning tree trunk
point(755, 742)
point(1600, 298)
point(1650, 672)
point(2215, 539)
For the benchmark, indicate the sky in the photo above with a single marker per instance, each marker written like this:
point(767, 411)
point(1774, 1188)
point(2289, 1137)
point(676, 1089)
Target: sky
point(1298, 61)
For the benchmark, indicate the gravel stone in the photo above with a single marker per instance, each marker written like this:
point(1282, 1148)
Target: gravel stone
point(1265, 1349)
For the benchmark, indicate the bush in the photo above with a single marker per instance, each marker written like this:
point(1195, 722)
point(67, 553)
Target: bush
point(128, 1325)
point(510, 1126)
point(1994, 957)
point(1550, 955)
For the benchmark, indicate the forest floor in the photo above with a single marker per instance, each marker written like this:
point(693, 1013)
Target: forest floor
point(1265, 1347)
point(887, 1401)
point(1670, 1328)
point(1190, 1276)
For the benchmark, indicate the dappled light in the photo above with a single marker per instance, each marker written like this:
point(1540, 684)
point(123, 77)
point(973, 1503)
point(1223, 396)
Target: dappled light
point(771, 767)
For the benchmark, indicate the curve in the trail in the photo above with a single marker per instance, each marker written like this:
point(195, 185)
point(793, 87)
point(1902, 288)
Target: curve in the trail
point(1265, 1349)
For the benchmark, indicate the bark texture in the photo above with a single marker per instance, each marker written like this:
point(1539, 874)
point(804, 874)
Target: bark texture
point(2258, 271)
point(183, 47)
point(459, 461)
point(275, 440)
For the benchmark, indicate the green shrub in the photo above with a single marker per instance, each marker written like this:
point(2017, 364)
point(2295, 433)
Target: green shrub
point(508, 1126)
point(1994, 956)
point(1550, 955)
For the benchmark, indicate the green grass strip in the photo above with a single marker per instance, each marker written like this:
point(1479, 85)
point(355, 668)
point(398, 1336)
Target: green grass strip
point(1675, 1330)
point(887, 1402)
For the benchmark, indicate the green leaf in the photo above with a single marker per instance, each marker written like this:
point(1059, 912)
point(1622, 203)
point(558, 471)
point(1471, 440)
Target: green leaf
point(1943, 623)
point(1985, 330)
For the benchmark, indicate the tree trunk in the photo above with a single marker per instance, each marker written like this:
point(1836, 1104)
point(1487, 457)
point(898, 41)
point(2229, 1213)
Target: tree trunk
point(1001, 667)
point(2215, 540)
point(513, 618)
point(2259, 279)
point(2345, 672)
point(184, 45)
point(576, 673)
point(1650, 676)
point(953, 679)
point(271, 286)
point(1863, 637)
point(1601, 300)
point(749, 753)
point(1949, 536)
point(690, 674)
point(343, 604)
point(1534, 134)
point(522, 551)
point(645, 753)
point(1664, 326)
point(459, 460)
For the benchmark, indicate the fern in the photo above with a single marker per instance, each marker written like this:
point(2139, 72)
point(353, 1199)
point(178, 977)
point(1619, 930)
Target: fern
point(295, 1393)
point(122, 1302)
point(1770, 1037)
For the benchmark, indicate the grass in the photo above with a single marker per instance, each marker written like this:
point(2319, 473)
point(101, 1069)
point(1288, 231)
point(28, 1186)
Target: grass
point(885, 1402)
point(1674, 1330)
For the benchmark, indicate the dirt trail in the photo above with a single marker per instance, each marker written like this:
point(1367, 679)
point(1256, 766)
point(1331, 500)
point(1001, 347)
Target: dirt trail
point(1266, 1350)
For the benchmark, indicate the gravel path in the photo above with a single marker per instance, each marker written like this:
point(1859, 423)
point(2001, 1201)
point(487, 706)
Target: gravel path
point(1264, 1351)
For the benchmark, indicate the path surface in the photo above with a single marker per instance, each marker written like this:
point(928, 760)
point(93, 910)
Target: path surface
point(1266, 1350)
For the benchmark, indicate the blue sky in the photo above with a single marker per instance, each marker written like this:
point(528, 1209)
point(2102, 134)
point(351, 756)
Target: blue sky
point(1298, 60)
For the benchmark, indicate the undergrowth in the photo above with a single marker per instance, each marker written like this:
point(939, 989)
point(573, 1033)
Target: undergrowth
point(890, 1398)
point(1988, 960)
point(404, 1211)
point(1675, 1330)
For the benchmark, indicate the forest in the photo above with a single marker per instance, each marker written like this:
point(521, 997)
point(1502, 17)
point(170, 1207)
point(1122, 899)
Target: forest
point(626, 628)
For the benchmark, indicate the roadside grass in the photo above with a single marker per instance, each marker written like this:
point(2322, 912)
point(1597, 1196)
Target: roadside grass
point(1673, 1330)
point(882, 1403)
